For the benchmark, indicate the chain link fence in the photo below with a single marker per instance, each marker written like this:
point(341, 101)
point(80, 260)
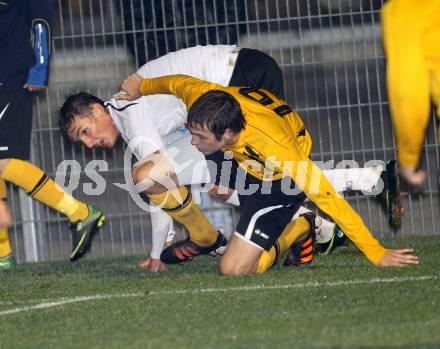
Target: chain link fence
point(332, 58)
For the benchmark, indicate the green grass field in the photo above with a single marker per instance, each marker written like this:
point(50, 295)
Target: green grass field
point(339, 302)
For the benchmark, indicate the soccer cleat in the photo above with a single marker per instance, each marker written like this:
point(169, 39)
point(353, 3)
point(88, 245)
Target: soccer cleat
point(83, 231)
point(338, 239)
point(220, 250)
point(186, 250)
point(390, 195)
point(302, 252)
point(7, 262)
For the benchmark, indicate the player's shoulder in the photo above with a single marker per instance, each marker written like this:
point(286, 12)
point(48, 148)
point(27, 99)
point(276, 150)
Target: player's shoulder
point(126, 107)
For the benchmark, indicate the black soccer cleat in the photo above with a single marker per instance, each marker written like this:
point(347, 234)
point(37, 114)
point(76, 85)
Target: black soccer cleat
point(338, 239)
point(83, 231)
point(303, 252)
point(186, 250)
point(390, 195)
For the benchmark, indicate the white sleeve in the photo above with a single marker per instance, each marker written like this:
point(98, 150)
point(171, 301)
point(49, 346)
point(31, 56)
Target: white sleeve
point(161, 223)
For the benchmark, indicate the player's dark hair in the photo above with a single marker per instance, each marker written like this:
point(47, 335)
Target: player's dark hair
point(78, 105)
point(217, 111)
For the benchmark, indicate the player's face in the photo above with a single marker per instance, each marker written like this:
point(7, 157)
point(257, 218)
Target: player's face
point(96, 130)
point(205, 141)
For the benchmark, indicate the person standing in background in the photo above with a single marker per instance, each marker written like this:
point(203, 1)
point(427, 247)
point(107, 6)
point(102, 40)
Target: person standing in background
point(25, 48)
point(411, 34)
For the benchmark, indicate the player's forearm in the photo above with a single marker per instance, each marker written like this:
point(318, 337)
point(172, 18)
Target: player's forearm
point(187, 88)
point(160, 85)
point(160, 225)
point(320, 191)
point(353, 226)
point(169, 84)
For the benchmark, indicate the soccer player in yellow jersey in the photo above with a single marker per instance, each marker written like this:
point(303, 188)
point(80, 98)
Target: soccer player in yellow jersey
point(411, 34)
point(25, 51)
point(269, 141)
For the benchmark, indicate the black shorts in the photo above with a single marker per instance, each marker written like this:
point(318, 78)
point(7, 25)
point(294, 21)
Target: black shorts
point(265, 215)
point(264, 212)
point(254, 68)
point(15, 124)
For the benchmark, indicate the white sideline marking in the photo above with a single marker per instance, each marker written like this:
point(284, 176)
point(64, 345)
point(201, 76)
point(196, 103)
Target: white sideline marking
point(67, 301)
point(209, 290)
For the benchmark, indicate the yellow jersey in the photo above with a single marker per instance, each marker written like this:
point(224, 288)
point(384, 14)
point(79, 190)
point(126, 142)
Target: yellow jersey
point(273, 145)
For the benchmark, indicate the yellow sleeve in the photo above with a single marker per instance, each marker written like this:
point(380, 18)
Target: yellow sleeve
point(187, 88)
point(309, 178)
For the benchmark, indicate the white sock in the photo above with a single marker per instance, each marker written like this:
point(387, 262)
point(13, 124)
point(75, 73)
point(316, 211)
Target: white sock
point(325, 231)
point(324, 228)
point(364, 179)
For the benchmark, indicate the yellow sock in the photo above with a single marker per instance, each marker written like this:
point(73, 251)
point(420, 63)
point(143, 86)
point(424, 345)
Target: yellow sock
point(293, 231)
point(5, 246)
point(40, 187)
point(266, 260)
point(178, 203)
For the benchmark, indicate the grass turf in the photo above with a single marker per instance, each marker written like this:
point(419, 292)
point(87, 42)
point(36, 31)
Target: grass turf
point(339, 302)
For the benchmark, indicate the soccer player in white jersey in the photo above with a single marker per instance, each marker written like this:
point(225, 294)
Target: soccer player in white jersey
point(157, 121)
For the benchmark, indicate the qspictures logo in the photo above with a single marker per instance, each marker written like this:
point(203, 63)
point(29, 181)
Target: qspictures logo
point(345, 176)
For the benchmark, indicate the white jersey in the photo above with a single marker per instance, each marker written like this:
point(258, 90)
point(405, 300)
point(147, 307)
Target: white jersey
point(155, 120)
point(213, 63)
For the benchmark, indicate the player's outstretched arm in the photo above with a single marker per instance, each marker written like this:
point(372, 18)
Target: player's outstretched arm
point(187, 88)
point(132, 86)
point(398, 258)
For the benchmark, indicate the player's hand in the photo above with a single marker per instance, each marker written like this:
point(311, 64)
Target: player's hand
point(5, 214)
point(32, 88)
point(398, 258)
point(414, 178)
point(131, 88)
point(152, 265)
point(221, 192)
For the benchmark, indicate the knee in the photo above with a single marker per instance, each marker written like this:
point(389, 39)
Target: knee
point(233, 269)
point(144, 183)
point(139, 173)
point(228, 270)
point(151, 178)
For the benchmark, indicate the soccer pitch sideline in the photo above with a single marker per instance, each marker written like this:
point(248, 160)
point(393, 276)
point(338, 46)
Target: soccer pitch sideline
point(339, 302)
